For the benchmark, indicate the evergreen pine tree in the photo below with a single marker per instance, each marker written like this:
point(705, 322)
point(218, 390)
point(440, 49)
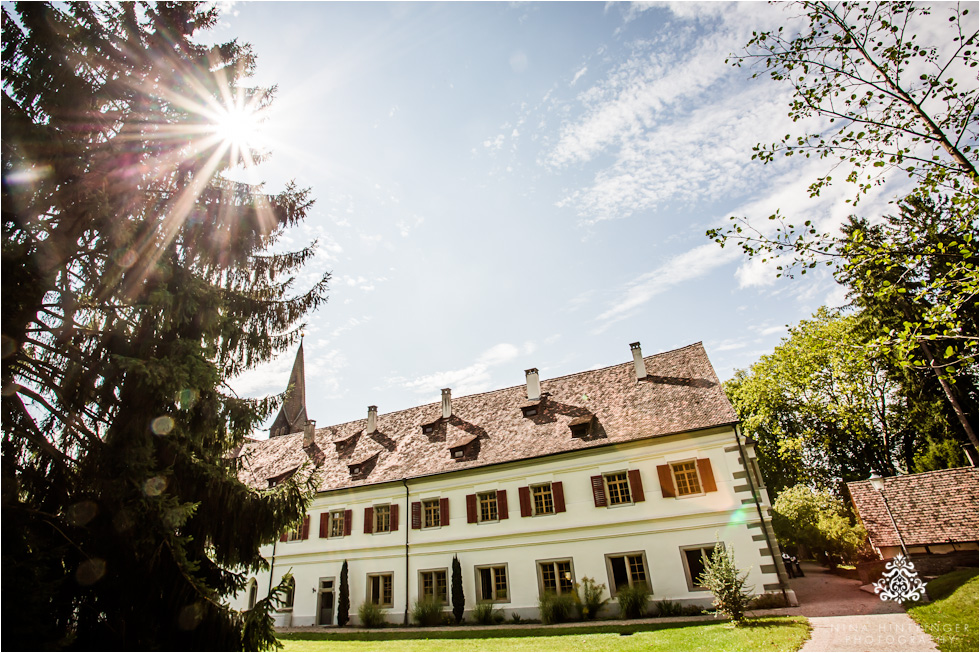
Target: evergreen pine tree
point(343, 603)
point(137, 280)
point(459, 599)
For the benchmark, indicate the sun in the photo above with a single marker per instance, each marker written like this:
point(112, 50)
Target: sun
point(239, 127)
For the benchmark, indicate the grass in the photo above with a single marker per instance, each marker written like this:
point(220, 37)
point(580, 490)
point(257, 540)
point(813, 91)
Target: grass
point(951, 617)
point(763, 634)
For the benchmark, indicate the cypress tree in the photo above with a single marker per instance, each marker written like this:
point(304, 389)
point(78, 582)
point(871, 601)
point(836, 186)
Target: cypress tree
point(459, 599)
point(137, 280)
point(343, 603)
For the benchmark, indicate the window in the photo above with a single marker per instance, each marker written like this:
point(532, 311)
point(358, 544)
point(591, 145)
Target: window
point(618, 489)
point(556, 576)
point(380, 589)
point(287, 601)
point(693, 559)
point(431, 517)
point(686, 478)
point(579, 430)
point(627, 569)
point(542, 500)
point(382, 519)
point(488, 506)
point(300, 532)
point(294, 534)
point(529, 411)
point(253, 590)
point(432, 584)
point(492, 583)
point(337, 523)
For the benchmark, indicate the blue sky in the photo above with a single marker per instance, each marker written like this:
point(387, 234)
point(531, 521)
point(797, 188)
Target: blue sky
point(504, 186)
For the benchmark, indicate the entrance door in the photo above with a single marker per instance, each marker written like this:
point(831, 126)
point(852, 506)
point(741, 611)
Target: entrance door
point(326, 602)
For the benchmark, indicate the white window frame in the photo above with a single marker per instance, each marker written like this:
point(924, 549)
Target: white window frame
point(479, 583)
point(492, 494)
point(609, 496)
point(376, 517)
point(629, 572)
point(437, 513)
point(444, 599)
point(336, 517)
point(554, 562)
point(697, 472)
point(370, 586)
point(551, 498)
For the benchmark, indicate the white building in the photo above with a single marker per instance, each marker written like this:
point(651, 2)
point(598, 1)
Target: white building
point(624, 475)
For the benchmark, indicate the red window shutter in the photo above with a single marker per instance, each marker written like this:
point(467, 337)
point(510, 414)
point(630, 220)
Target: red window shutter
point(707, 477)
point(636, 485)
point(558, 494)
point(416, 515)
point(470, 508)
point(368, 521)
point(598, 492)
point(324, 524)
point(666, 481)
point(348, 521)
point(284, 536)
point(393, 517)
point(502, 504)
point(524, 495)
point(306, 527)
point(444, 511)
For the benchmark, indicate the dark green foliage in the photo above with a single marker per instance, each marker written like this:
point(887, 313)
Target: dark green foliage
point(370, 615)
point(427, 612)
point(486, 614)
point(667, 608)
point(343, 602)
point(726, 582)
point(137, 280)
point(556, 608)
point(592, 599)
point(819, 521)
point(632, 600)
point(459, 599)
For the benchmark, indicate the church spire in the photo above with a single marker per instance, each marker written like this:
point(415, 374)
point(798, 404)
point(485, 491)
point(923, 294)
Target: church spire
point(292, 415)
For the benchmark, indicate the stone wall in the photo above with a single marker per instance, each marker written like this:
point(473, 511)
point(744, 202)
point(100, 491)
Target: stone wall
point(925, 565)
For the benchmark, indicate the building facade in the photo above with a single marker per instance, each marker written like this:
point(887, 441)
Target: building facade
point(624, 475)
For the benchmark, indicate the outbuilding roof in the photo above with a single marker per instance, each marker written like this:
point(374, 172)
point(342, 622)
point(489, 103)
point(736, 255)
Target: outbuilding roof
point(930, 508)
point(680, 393)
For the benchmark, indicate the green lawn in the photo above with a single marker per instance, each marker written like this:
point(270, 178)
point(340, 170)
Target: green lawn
point(951, 617)
point(763, 634)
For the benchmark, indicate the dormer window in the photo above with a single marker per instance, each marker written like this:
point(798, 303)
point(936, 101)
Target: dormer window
point(529, 411)
point(428, 428)
point(457, 452)
point(355, 469)
point(579, 430)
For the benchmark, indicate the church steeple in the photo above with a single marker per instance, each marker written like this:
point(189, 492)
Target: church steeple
point(292, 415)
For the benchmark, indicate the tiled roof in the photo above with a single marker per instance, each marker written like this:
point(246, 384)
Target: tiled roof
point(681, 393)
point(929, 508)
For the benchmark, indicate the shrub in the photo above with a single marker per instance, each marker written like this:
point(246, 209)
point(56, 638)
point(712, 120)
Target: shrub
point(592, 600)
point(768, 602)
point(371, 615)
point(727, 583)
point(484, 613)
point(556, 608)
point(633, 600)
point(427, 612)
point(692, 611)
point(668, 608)
point(456, 584)
point(343, 605)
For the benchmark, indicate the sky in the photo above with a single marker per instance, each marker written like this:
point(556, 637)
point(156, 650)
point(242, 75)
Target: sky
point(502, 186)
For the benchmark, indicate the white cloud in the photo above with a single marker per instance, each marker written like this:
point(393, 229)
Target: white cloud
point(578, 75)
point(475, 377)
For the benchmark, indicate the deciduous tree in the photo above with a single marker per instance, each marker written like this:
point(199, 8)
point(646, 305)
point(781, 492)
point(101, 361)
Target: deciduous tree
point(137, 280)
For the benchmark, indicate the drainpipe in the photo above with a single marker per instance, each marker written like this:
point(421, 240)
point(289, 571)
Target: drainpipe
point(408, 527)
point(758, 508)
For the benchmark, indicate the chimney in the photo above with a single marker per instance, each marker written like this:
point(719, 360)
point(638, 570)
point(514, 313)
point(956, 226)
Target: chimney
point(372, 424)
point(308, 430)
point(641, 368)
point(447, 403)
point(533, 384)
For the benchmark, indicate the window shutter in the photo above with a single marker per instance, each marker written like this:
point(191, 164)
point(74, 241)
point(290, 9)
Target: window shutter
point(558, 495)
point(444, 511)
point(470, 508)
point(348, 521)
point(666, 481)
point(524, 495)
point(502, 504)
point(368, 521)
point(707, 477)
point(324, 524)
point(284, 536)
point(416, 515)
point(598, 491)
point(306, 527)
point(393, 517)
point(636, 485)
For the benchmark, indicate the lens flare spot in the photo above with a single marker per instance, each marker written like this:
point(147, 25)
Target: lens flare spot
point(125, 258)
point(154, 487)
point(187, 397)
point(81, 513)
point(162, 425)
point(7, 345)
point(90, 572)
point(10, 389)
